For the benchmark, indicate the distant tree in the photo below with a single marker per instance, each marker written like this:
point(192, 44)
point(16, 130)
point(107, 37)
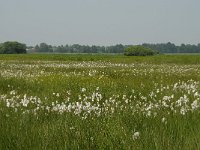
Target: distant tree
point(75, 48)
point(86, 49)
point(139, 51)
point(94, 49)
point(37, 48)
point(1, 47)
point(61, 49)
point(43, 47)
point(12, 48)
point(119, 48)
point(170, 47)
point(50, 48)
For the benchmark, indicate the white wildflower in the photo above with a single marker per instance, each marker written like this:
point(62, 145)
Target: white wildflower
point(164, 120)
point(13, 92)
point(83, 89)
point(183, 111)
point(136, 135)
point(57, 94)
point(194, 105)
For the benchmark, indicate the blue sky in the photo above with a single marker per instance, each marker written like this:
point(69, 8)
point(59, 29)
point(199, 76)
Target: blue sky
point(100, 22)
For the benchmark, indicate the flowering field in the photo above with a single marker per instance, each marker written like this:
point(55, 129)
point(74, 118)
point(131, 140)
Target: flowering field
point(99, 102)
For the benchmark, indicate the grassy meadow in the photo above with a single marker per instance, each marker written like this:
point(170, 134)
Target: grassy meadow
point(99, 102)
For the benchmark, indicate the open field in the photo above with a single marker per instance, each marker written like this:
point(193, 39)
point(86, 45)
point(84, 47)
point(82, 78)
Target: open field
point(99, 102)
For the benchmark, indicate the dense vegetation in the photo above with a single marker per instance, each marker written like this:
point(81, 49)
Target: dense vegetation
point(119, 48)
point(139, 51)
point(172, 48)
point(76, 48)
point(12, 48)
point(16, 47)
point(99, 102)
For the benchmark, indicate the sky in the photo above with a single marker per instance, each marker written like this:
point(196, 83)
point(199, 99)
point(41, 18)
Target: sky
point(100, 22)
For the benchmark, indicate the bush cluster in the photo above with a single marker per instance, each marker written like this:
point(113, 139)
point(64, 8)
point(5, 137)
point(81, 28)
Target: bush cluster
point(12, 48)
point(139, 51)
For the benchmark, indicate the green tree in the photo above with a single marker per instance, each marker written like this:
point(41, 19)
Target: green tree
point(43, 47)
point(12, 48)
point(37, 48)
point(139, 51)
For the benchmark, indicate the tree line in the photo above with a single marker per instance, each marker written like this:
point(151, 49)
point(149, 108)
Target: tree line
point(76, 48)
point(119, 48)
point(16, 47)
point(172, 48)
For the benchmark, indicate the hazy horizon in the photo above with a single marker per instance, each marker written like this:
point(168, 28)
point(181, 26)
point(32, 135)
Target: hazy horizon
point(100, 22)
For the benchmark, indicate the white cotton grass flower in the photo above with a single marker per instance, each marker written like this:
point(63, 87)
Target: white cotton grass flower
point(72, 128)
point(97, 89)
point(57, 94)
point(7, 103)
point(194, 105)
point(183, 111)
point(164, 120)
point(13, 92)
point(83, 90)
point(136, 135)
point(196, 94)
point(95, 104)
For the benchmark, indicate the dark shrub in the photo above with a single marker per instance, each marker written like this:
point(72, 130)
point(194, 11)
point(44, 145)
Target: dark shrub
point(139, 51)
point(12, 48)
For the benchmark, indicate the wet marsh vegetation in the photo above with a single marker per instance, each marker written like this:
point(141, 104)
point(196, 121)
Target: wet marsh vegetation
point(99, 102)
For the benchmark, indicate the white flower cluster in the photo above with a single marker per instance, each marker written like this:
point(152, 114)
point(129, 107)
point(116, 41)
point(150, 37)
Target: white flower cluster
point(184, 98)
point(32, 69)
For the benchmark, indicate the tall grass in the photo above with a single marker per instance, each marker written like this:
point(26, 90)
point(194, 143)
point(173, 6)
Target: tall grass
point(99, 102)
point(118, 58)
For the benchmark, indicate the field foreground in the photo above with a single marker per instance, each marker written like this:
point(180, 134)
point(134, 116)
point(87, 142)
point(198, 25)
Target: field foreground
point(99, 102)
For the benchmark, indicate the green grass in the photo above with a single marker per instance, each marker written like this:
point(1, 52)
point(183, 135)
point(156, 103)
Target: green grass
point(159, 59)
point(99, 102)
